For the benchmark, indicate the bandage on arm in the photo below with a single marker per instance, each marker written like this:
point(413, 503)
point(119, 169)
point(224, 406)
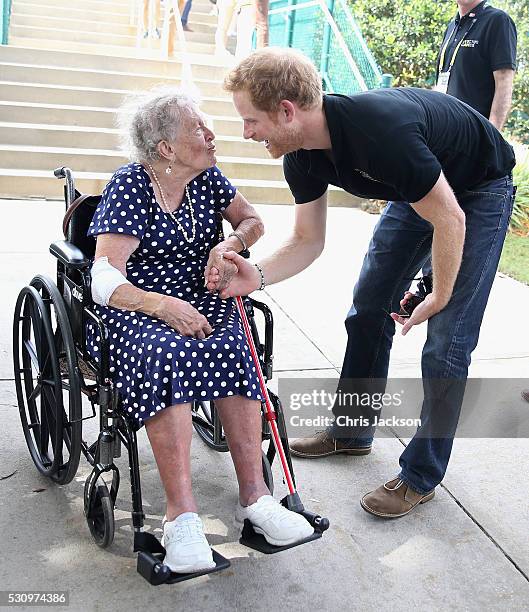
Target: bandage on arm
point(111, 288)
point(105, 280)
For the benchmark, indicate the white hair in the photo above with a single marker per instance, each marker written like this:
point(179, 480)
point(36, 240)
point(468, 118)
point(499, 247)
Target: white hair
point(147, 118)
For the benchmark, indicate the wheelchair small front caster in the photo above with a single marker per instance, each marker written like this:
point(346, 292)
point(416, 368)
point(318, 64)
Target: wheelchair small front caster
point(99, 512)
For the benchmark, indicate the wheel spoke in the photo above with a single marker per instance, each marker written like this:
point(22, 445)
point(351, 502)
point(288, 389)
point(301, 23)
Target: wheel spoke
point(37, 330)
point(32, 355)
point(35, 393)
point(206, 411)
point(49, 406)
point(45, 364)
point(43, 432)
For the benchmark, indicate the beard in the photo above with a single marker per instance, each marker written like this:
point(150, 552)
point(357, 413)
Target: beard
point(288, 140)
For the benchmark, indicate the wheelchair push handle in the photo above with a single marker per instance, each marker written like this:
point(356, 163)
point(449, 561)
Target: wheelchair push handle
point(69, 188)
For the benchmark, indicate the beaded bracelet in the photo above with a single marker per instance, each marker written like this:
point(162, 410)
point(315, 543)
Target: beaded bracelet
point(262, 285)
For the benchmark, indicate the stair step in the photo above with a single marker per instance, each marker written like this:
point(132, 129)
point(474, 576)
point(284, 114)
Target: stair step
point(94, 31)
point(107, 15)
point(132, 54)
point(197, 51)
point(65, 136)
point(107, 160)
point(156, 66)
point(87, 37)
point(57, 6)
point(91, 117)
point(119, 6)
point(25, 183)
point(64, 22)
point(106, 100)
point(103, 79)
point(108, 12)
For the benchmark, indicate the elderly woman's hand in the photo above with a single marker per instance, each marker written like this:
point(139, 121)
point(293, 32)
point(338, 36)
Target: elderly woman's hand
point(219, 271)
point(183, 317)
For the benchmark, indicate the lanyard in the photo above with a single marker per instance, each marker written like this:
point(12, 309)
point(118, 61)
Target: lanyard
point(443, 52)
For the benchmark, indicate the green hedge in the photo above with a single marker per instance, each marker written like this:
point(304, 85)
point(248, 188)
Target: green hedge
point(520, 214)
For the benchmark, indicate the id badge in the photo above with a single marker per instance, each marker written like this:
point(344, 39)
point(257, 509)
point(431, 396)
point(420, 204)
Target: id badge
point(442, 82)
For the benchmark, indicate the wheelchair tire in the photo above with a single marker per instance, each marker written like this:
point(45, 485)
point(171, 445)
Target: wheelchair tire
point(204, 417)
point(100, 514)
point(267, 474)
point(42, 339)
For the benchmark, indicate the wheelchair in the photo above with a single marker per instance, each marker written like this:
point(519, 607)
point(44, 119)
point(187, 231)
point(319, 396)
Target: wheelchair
point(53, 371)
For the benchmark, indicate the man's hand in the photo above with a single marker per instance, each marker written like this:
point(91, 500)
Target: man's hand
point(219, 271)
point(246, 279)
point(426, 309)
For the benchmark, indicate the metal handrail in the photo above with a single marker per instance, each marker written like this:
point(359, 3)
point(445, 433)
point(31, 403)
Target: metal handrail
point(354, 26)
point(6, 16)
point(331, 23)
point(343, 46)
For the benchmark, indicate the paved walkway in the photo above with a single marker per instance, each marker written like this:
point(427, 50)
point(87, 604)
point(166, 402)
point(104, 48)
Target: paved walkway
point(466, 550)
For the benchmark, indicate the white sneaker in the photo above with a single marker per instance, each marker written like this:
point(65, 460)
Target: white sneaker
point(278, 525)
point(187, 549)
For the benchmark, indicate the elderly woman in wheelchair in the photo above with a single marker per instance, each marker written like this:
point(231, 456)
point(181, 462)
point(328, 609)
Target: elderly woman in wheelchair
point(172, 341)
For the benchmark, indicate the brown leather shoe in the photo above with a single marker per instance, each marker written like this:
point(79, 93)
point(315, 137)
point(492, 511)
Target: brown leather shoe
point(393, 499)
point(322, 445)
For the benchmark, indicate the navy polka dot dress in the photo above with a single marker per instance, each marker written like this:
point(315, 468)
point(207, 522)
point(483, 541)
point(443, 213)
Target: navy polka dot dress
point(152, 365)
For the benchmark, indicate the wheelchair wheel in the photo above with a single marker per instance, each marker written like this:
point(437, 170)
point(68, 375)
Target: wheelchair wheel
point(99, 512)
point(267, 474)
point(208, 427)
point(49, 401)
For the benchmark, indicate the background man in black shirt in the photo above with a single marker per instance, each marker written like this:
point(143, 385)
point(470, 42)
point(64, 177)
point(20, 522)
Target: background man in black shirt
point(477, 59)
point(446, 171)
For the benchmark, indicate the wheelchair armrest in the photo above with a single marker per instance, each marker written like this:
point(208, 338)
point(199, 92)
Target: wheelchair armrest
point(69, 254)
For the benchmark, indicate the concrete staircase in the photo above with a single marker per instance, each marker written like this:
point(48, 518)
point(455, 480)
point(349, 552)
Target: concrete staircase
point(68, 66)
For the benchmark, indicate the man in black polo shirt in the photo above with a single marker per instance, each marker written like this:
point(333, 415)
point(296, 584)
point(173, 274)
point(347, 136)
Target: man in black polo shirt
point(477, 59)
point(445, 170)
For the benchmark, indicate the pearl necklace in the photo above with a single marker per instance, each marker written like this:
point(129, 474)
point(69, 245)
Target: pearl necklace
point(167, 210)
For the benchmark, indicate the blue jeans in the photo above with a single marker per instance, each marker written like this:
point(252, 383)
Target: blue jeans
point(401, 244)
point(186, 11)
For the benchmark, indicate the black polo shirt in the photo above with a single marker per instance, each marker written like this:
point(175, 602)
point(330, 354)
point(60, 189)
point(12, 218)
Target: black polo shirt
point(391, 144)
point(489, 44)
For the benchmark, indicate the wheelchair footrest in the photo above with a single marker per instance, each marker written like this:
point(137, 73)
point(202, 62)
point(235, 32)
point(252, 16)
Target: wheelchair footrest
point(151, 567)
point(257, 542)
point(150, 561)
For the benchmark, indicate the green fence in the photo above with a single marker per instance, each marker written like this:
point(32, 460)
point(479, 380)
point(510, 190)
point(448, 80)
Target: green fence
point(326, 31)
point(6, 14)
